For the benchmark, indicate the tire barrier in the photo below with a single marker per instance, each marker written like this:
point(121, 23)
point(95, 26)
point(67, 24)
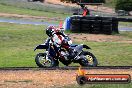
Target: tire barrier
point(89, 24)
point(124, 19)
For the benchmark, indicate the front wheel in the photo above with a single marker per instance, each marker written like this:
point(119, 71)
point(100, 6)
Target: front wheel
point(42, 61)
point(88, 60)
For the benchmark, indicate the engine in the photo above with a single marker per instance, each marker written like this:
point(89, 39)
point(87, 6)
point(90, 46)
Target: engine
point(64, 54)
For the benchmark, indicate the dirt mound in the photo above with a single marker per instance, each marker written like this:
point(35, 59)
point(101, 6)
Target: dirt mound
point(98, 38)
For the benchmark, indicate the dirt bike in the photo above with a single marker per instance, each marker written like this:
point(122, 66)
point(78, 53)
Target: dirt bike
point(84, 58)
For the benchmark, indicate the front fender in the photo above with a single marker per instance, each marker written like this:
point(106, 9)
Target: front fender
point(41, 46)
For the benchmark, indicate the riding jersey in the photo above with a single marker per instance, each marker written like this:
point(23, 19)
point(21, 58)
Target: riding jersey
point(57, 39)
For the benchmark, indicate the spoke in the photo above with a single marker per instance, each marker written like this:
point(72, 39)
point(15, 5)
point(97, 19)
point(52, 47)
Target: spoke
point(44, 61)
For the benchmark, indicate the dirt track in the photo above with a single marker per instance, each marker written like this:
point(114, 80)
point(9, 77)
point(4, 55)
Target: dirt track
point(99, 38)
point(47, 78)
point(28, 16)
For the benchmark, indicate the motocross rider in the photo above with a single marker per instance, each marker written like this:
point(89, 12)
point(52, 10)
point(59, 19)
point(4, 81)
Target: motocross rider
point(58, 39)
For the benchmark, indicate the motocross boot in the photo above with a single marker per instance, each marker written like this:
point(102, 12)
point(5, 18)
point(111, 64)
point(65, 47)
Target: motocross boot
point(56, 63)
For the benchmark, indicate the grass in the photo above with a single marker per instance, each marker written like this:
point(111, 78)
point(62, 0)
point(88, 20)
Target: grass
point(18, 41)
point(17, 44)
point(101, 86)
point(127, 24)
point(112, 53)
point(110, 3)
point(37, 9)
point(26, 8)
point(22, 11)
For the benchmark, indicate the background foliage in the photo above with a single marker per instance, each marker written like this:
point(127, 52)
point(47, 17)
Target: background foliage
point(124, 5)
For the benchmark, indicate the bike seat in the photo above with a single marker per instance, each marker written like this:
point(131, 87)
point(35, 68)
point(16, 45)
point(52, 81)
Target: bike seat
point(73, 45)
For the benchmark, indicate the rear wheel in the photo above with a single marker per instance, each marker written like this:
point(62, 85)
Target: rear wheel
point(88, 60)
point(41, 61)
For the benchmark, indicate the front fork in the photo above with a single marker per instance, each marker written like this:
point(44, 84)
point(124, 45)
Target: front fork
point(47, 56)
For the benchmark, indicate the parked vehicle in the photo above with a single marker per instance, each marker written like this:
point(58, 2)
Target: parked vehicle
point(122, 13)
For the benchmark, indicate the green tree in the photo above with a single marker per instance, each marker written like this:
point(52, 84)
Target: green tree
point(124, 5)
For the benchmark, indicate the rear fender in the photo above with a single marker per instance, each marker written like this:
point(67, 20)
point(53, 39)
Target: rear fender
point(87, 47)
